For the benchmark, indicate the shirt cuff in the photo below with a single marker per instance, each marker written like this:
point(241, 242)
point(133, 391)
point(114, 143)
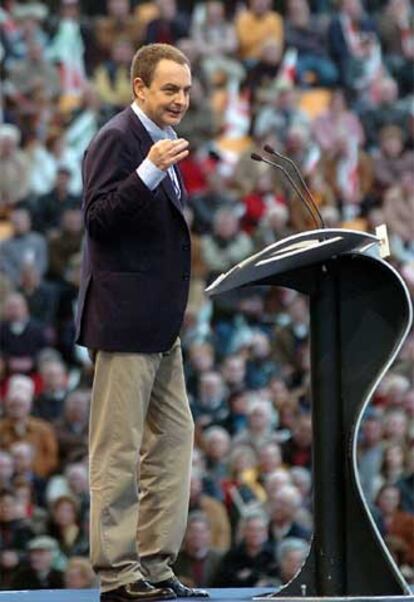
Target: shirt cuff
point(150, 174)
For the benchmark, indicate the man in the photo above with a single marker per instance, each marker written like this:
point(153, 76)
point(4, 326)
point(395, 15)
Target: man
point(39, 574)
point(136, 270)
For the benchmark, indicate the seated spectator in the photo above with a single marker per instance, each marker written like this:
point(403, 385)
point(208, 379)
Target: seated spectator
point(336, 122)
point(352, 43)
point(19, 425)
point(50, 207)
point(391, 161)
point(392, 467)
point(226, 245)
point(260, 426)
point(15, 532)
point(32, 77)
point(395, 426)
point(280, 112)
point(40, 296)
point(206, 204)
point(396, 31)
point(236, 421)
point(79, 574)
point(261, 200)
point(250, 562)
point(65, 243)
point(77, 478)
point(168, 27)
point(14, 175)
point(302, 479)
point(111, 79)
point(23, 455)
point(272, 227)
point(200, 359)
point(262, 77)
point(234, 372)
point(370, 451)
point(118, 23)
point(215, 38)
point(254, 25)
point(214, 510)
point(283, 508)
point(21, 337)
point(39, 572)
point(27, 506)
point(9, 561)
point(65, 527)
point(386, 110)
point(398, 213)
point(216, 448)
point(275, 481)
point(296, 451)
point(209, 405)
point(406, 483)
point(260, 366)
point(197, 562)
point(291, 554)
point(306, 33)
point(72, 428)
point(242, 491)
point(396, 526)
point(23, 247)
point(269, 457)
point(49, 403)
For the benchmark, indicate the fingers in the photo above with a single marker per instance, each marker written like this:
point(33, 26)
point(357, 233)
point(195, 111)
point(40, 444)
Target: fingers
point(168, 152)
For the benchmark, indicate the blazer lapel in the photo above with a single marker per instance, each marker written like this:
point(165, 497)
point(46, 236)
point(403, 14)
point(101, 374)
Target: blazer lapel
point(145, 141)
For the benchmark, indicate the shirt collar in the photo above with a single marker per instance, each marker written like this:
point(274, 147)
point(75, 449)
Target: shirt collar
point(152, 128)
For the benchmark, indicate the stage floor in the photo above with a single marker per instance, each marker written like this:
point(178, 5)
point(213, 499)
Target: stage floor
point(216, 595)
point(91, 595)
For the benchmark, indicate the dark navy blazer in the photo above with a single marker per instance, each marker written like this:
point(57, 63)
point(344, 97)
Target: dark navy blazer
point(136, 255)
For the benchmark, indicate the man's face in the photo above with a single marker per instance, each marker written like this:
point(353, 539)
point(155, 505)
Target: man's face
point(165, 101)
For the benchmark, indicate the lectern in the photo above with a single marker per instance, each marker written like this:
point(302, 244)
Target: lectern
point(360, 314)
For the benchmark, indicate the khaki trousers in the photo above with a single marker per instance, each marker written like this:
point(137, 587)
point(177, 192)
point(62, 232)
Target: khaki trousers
point(140, 446)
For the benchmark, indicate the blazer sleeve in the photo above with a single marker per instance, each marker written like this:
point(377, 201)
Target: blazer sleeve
point(113, 191)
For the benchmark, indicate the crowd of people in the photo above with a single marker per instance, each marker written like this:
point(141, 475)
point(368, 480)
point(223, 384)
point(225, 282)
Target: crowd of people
point(329, 84)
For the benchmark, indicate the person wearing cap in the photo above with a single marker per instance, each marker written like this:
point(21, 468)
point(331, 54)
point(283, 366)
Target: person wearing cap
point(133, 293)
point(39, 572)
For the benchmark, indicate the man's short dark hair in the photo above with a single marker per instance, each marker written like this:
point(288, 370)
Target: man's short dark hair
point(147, 58)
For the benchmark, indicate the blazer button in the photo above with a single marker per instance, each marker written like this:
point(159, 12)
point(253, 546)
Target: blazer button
point(186, 276)
point(186, 247)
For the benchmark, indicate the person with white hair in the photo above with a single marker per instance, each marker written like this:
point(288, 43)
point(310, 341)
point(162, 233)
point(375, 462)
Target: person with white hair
point(250, 562)
point(259, 431)
point(19, 426)
point(291, 553)
point(14, 174)
point(284, 508)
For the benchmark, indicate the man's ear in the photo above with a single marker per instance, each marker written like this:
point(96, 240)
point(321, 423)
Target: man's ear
point(139, 88)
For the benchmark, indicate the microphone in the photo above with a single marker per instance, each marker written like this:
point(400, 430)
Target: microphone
point(259, 158)
point(296, 172)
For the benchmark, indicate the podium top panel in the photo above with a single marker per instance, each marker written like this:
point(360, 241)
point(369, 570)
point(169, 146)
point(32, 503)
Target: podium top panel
point(297, 251)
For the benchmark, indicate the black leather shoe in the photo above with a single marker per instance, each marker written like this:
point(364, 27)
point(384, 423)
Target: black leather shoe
point(140, 590)
point(181, 590)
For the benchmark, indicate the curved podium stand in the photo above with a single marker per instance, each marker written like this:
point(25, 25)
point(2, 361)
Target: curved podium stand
point(360, 314)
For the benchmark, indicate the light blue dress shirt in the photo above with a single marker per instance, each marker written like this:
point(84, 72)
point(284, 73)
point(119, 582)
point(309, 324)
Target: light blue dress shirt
point(149, 173)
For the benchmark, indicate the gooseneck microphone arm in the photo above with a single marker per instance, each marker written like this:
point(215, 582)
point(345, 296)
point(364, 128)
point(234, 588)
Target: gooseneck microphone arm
point(257, 157)
point(299, 176)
